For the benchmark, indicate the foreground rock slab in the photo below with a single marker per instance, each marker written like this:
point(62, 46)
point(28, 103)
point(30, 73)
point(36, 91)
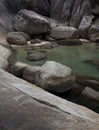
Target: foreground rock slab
point(25, 106)
point(30, 22)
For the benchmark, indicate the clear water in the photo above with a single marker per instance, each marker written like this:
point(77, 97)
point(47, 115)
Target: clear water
point(72, 56)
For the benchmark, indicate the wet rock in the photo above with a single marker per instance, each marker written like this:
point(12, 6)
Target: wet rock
point(64, 32)
point(94, 37)
point(55, 77)
point(35, 56)
point(17, 38)
point(30, 73)
point(30, 22)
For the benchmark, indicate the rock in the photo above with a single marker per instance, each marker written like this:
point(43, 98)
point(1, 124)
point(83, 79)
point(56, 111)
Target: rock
point(69, 42)
point(94, 37)
point(48, 38)
point(30, 22)
point(80, 9)
point(20, 100)
point(19, 68)
point(34, 41)
point(64, 32)
point(94, 30)
point(41, 7)
point(35, 56)
point(61, 10)
point(17, 38)
point(30, 73)
point(90, 93)
point(84, 26)
point(87, 81)
point(55, 77)
point(4, 55)
point(41, 45)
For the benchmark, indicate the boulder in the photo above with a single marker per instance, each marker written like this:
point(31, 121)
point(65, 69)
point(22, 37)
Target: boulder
point(17, 38)
point(84, 26)
point(64, 32)
point(35, 56)
point(30, 73)
point(30, 22)
point(55, 77)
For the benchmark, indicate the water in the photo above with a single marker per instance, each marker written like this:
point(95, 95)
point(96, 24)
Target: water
point(72, 56)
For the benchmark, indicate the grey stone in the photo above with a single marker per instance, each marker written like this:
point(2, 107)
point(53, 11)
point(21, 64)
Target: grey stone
point(35, 56)
point(17, 38)
point(30, 22)
point(64, 32)
point(55, 77)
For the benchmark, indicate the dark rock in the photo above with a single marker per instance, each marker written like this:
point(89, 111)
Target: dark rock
point(30, 22)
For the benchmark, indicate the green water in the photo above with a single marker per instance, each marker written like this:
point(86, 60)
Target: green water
point(72, 56)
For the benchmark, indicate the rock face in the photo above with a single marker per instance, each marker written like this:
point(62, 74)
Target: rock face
point(41, 7)
point(64, 32)
point(94, 31)
point(17, 38)
point(30, 22)
point(55, 77)
point(84, 26)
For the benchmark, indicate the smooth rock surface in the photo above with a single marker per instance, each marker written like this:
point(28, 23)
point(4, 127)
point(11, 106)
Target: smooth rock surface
point(64, 32)
point(55, 77)
point(15, 105)
point(30, 22)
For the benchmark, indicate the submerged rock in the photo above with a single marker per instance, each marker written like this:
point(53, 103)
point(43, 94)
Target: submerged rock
point(35, 56)
point(17, 38)
point(30, 22)
point(55, 77)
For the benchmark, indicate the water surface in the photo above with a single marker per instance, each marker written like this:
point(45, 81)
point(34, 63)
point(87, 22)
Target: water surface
point(72, 56)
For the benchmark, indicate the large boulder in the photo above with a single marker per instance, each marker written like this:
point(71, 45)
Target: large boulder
point(17, 38)
point(55, 77)
point(64, 32)
point(30, 22)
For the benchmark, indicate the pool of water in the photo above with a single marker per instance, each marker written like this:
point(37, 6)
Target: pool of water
point(72, 56)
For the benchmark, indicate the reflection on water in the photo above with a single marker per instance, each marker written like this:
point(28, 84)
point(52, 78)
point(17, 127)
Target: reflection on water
point(71, 56)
